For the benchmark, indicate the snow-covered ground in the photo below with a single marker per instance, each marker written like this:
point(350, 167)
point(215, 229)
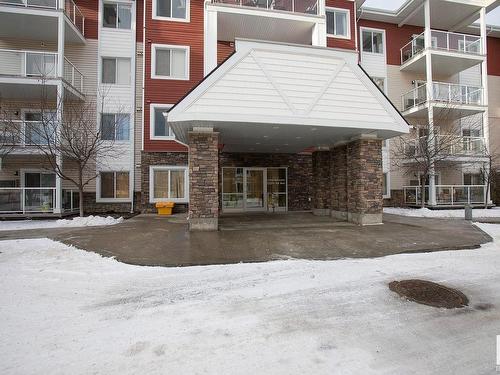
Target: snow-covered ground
point(425, 212)
point(67, 311)
point(87, 221)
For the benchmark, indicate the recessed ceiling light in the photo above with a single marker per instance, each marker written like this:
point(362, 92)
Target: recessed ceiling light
point(257, 143)
point(266, 136)
point(285, 144)
point(276, 127)
point(314, 129)
point(298, 137)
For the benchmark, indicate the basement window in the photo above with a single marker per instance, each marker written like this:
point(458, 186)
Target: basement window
point(114, 185)
point(168, 183)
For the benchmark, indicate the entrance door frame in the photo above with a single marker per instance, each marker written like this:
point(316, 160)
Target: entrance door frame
point(264, 189)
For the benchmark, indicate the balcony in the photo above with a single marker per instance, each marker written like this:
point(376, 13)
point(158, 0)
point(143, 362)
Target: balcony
point(451, 101)
point(36, 201)
point(23, 73)
point(447, 195)
point(293, 6)
point(451, 53)
point(37, 19)
point(20, 135)
point(287, 21)
point(455, 146)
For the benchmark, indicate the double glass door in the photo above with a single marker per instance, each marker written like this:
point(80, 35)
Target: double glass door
point(254, 189)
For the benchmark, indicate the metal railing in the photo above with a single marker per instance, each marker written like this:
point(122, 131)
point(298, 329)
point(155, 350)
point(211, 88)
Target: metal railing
point(443, 41)
point(25, 133)
point(36, 200)
point(38, 64)
point(295, 6)
point(447, 144)
point(450, 195)
point(72, 75)
point(70, 9)
point(451, 93)
point(75, 15)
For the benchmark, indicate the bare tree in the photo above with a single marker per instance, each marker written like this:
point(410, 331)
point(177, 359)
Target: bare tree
point(429, 145)
point(77, 147)
point(488, 162)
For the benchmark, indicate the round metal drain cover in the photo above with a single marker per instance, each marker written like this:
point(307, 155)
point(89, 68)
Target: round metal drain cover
point(429, 293)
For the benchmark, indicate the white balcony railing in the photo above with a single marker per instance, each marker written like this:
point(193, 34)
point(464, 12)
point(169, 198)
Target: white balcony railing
point(38, 64)
point(36, 200)
point(70, 9)
point(72, 75)
point(25, 133)
point(443, 41)
point(447, 145)
point(450, 195)
point(295, 6)
point(452, 93)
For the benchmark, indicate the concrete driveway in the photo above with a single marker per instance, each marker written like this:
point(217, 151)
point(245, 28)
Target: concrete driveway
point(165, 241)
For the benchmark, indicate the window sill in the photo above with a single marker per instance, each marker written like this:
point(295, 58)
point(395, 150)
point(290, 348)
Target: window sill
point(113, 200)
point(174, 200)
point(172, 19)
point(116, 29)
point(162, 138)
point(348, 37)
point(153, 76)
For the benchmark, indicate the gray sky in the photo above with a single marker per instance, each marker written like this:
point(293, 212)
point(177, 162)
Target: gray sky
point(493, 18)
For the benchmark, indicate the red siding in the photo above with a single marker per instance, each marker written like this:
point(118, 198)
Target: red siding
point(338, 42)
point(493, 46)
point(170, 91)
point(139, 18)
point(224, 49)
point(90, 10)
point(396, 37)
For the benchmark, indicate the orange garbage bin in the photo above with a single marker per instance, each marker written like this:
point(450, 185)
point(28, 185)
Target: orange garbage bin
point(165, 208)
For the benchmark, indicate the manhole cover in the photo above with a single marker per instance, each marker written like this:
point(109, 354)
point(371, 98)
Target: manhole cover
point(429, 293)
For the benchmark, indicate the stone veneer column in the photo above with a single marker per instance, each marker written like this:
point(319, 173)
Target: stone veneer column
point(321, 183)
point(339, 182)
point(203, 180)
point(364, 181)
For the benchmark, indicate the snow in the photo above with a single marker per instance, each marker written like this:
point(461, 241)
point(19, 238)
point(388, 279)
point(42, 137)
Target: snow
point(87, 221)
point(67, 311)
point(425, 212)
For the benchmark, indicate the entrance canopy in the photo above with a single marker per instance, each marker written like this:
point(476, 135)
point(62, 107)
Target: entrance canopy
point(271, 97)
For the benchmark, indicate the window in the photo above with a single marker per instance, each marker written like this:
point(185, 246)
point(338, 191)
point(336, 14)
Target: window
point(170, 62)
point(158, 126)
point(168, 183)
point(385, 186)
point(380, 82)
point(115, 127)
point(373, 41)
point(473, 179)
point(116, 71)
point(338, 22)
point(176, 10)
point(117, 16)
point(114, 185)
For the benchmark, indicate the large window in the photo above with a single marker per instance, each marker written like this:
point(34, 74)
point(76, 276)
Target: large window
point(385, 184)
point(158, 125)
point(170, 62)
point(115, 127)
point(117, 16)
point(173, 10)
point(337, 23)
point(114, 185)
point(168, 183)
point(473, 179)
point(116, 71)
point(373, 41)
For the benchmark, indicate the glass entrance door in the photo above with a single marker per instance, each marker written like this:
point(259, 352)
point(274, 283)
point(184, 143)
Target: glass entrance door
point(255, 189)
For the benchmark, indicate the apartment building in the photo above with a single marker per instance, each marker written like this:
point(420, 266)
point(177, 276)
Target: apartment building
point(236, 105)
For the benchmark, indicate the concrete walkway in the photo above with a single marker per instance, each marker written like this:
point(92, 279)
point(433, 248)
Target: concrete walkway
point(152, 240)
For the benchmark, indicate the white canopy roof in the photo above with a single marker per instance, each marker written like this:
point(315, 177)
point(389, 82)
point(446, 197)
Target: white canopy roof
point(278, 97)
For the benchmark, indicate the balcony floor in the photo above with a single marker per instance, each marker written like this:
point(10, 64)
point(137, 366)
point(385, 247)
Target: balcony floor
point(444, 63)
point(443, 110)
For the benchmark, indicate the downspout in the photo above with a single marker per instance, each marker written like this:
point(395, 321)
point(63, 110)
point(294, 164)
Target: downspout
point(134, 108)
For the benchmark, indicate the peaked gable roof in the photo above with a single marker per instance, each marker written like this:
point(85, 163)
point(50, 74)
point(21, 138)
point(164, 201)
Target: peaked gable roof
point(271, 83)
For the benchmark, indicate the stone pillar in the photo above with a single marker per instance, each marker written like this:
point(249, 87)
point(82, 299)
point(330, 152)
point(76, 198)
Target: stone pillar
point(203, 180)
point(364, 181)
point(339, 182)
point(321, 161)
